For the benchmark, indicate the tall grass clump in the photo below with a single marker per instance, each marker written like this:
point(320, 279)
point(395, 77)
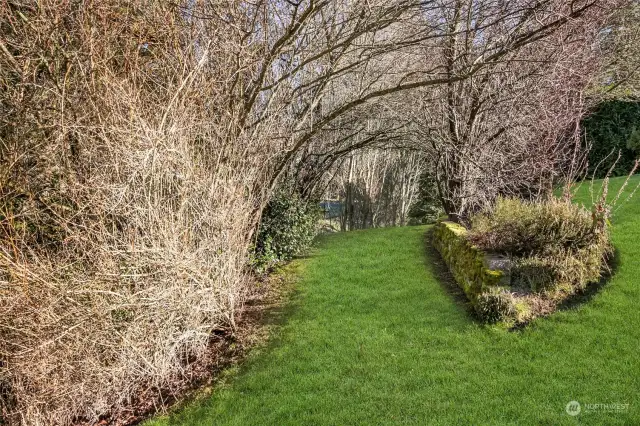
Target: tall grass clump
point(128, 195)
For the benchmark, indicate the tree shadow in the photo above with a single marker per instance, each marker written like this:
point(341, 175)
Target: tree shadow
point(439, 269)
point(593, 289)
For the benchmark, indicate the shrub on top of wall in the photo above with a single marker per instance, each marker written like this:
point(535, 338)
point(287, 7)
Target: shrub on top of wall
point(556, 246)
point(546, 252)
point(521, 228)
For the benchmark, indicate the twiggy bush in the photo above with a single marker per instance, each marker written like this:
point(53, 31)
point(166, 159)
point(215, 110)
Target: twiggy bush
point(126, 203)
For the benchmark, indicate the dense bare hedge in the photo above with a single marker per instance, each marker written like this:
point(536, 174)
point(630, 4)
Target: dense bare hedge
point(126, 202)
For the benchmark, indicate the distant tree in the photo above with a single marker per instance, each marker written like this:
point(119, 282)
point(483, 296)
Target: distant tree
point(378, 187)
point(426, 207)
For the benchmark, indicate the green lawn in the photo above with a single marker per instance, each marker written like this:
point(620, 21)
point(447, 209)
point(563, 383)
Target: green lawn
point(374, 337)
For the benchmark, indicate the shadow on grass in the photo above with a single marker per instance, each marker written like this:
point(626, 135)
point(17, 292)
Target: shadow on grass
point(438, 267)
point(262, 318)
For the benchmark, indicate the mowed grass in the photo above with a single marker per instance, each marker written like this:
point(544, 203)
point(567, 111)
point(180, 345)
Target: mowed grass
point(374, 337)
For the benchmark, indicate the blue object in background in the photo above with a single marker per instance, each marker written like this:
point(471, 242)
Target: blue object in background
point(332, 209)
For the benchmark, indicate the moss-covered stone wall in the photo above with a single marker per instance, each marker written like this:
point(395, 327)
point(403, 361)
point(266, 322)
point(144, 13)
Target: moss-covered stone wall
point(467, 263)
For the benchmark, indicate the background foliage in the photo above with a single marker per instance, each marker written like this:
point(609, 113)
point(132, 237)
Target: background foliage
point(613, 128)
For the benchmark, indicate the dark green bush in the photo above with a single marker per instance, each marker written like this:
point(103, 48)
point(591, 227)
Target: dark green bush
point(288, 227)
point(612, 128)
point(555, 245)
point(427, 207)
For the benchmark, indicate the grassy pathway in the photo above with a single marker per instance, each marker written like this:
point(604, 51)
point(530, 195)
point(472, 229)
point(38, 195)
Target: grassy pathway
point(373, 337)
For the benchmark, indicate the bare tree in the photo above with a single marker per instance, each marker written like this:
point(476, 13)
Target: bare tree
point(377, 187)
point(327, 59)
point(512, 127)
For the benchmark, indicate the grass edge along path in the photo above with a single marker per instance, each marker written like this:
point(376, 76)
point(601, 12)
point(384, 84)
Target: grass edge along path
point(372, 336)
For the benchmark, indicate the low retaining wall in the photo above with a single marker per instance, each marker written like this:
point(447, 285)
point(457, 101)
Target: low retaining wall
point(474, 271)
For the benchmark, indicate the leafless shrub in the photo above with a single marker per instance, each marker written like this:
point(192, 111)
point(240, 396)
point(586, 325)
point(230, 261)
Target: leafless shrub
point(127, 202)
